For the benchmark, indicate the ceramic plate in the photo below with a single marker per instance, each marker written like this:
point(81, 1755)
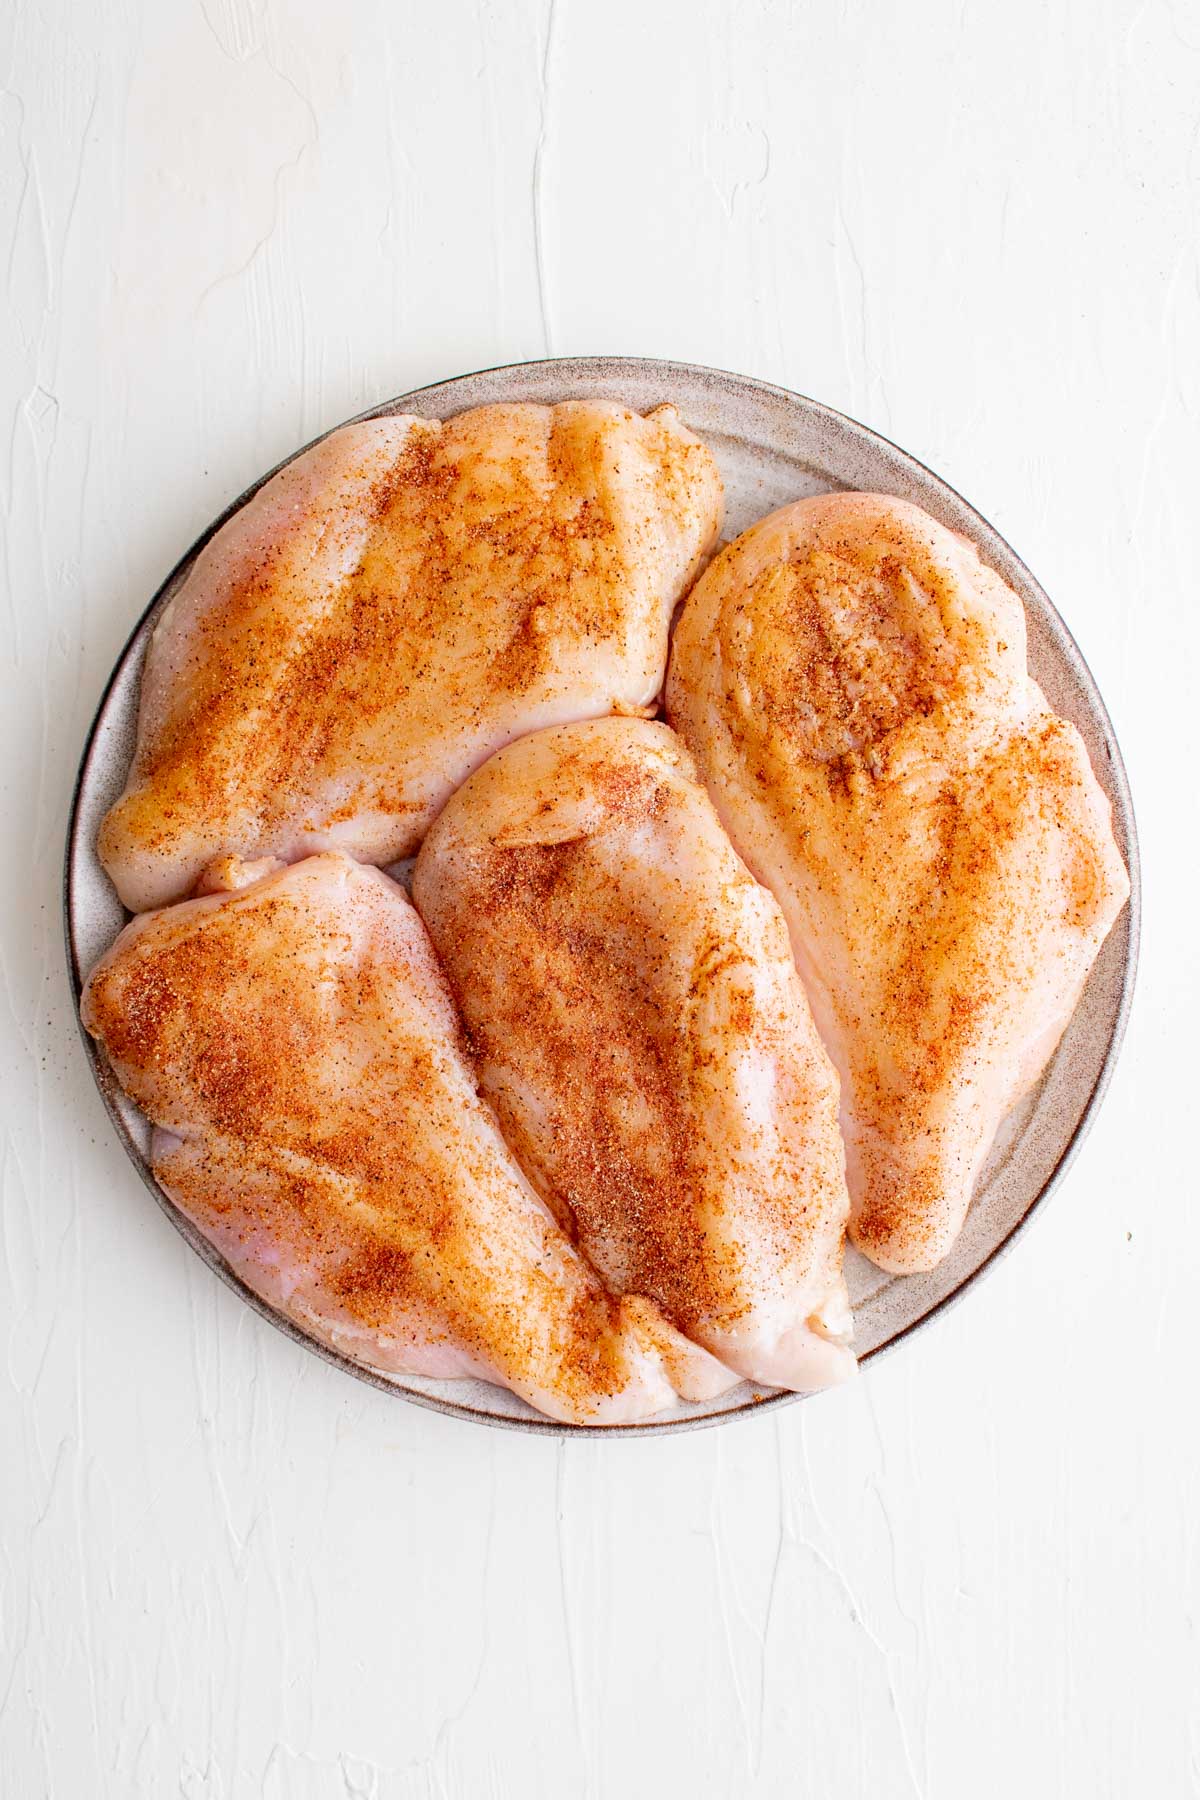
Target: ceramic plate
point(773, 446)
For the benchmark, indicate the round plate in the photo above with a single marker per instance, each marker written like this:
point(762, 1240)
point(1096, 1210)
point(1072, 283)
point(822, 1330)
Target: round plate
point(773, 446)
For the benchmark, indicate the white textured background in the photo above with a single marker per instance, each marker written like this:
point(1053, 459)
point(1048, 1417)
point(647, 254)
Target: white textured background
point(225, 1569)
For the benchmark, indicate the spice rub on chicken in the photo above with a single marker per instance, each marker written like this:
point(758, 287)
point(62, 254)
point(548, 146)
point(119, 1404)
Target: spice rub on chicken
point(642, 1033)
point(390, 608)
point(851, 679)
point(296, 1045)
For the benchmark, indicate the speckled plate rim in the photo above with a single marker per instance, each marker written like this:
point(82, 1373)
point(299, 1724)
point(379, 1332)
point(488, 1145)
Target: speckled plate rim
point(612, 370)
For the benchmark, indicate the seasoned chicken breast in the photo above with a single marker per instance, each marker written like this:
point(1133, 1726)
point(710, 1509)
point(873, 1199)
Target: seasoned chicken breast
point(318, 1118)
point(393, 606)
point(643, 1036)
point(852, 681)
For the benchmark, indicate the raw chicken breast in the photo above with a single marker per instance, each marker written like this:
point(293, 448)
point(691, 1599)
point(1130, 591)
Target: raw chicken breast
point(298, 1048)
point(389, 609)
point(642, 1034)
point(852, 681)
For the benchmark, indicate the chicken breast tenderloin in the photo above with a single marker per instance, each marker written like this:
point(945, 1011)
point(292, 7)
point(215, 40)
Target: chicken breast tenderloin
point(852, 681)
point(390, 608)
point(318, 1118)
point(641, 1031)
